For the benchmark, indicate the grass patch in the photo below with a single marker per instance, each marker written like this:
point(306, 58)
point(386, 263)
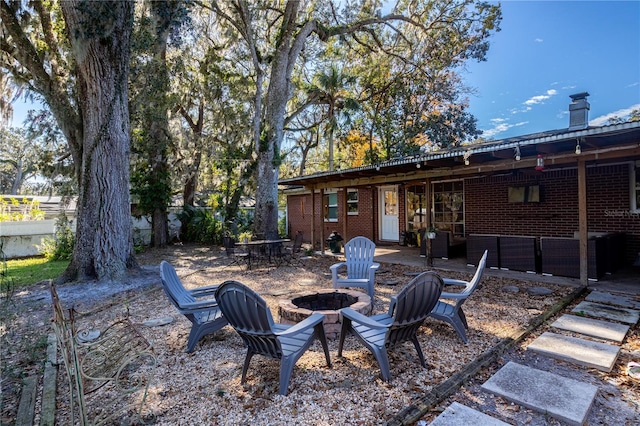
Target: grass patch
point(25, 272)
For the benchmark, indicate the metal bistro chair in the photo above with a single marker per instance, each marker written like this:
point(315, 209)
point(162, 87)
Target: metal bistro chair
point(250, 316)
point(236, 256)
point(291, 254)
point(407, 311)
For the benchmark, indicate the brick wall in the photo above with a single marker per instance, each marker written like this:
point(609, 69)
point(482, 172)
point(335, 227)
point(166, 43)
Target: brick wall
point(488, 210)
point(301, 214)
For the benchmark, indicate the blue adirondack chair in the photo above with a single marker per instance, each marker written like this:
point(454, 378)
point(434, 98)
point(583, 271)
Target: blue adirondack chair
point(205, 315)
point(453, 313)
point(407, 311)
point(359, 265)
point(250, 316)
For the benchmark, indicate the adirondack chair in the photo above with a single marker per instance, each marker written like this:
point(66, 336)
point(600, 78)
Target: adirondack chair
point(359, 264)
point(453, 313)
point(205, 315)
point(250, 316)
point(407, 311)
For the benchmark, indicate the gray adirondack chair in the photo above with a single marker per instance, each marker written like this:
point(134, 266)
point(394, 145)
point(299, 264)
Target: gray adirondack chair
point(205, 315)
point(359, 265)
point(250, 316)
point(407, 311)
point(453, 313)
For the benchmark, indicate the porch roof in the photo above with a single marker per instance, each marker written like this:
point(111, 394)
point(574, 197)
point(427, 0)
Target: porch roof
point(556, 146)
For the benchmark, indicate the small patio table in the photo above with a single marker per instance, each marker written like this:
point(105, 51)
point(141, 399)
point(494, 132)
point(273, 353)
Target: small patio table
point(264, 249)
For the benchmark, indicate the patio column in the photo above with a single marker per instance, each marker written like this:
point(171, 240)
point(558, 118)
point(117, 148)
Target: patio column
point(322, 220)
point(582, 221)
point(313, 216)
point(343, 202)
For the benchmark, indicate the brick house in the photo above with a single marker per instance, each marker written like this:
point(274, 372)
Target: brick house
point(563, 202)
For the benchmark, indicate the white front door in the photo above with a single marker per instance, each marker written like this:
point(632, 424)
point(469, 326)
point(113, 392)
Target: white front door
point(389, 213)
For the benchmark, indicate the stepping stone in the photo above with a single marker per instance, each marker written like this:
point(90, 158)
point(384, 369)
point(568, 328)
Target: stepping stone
point(560, 397)
point(307, 281)
point(510, 289)
point(461, 415)
point(157, 322)
point(611, 299)
point(588, 353)
point(412, 274)
point(539, 291)
point(389, 282)
point(592, 327)
point(628, 316)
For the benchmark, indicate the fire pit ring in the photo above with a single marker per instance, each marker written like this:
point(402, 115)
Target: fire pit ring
point(326, 302)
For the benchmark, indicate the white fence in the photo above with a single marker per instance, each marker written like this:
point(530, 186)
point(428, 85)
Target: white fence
point(21, 239)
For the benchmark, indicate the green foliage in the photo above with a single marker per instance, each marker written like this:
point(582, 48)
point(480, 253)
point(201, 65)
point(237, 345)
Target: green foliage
point(282, 226)
point(200, 225)
point(153, 192)
point(60, 247)
point(12, 210)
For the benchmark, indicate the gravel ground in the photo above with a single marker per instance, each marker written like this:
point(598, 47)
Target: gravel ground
point(204, 387)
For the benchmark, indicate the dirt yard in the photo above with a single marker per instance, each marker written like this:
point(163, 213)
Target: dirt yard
point(204, 387)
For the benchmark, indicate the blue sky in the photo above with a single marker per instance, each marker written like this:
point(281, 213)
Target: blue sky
point(548, 50)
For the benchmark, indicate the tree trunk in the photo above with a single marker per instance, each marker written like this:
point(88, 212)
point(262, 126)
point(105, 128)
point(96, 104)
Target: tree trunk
point(191, 183)
point(104, 242)
point(17, 182)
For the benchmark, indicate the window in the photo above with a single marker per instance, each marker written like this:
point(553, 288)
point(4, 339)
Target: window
point(635, 187)
point(352, 201)
point(416, 208)
point(331, 206)
point(448, 207)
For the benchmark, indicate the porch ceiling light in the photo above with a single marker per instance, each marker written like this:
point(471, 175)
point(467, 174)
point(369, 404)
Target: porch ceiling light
point(466, 157)
point(417, 165)
point(578, 147)
point(517, 153)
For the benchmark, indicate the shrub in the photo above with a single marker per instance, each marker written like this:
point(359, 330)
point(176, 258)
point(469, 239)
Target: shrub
point(60, 247)
point(200, 225)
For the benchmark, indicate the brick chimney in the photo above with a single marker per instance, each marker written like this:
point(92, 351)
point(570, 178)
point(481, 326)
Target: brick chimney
point(579, 111)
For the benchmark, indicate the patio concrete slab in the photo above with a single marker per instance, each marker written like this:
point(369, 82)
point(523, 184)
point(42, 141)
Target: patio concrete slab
point(562, 398)
point(588, 353)
point(457, 414)
point(612, 299)
point(592, 327)
point(598, 310)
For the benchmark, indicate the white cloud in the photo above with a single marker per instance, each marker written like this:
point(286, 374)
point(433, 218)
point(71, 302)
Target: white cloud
point(540, 98)
point(633, 84)
point(621, 113)
point(538, 40)
point(499, 128)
